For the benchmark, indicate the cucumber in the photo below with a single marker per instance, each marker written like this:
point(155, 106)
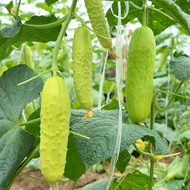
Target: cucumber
point(55, 117)
point(139, 75)
point(82, 66)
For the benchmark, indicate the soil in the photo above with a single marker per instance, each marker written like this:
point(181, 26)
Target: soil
point(33, 180)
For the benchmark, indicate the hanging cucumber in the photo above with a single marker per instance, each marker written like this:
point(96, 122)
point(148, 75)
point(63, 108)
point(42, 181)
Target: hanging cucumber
point(82, 66)
point(55, 117)
point(99, 23)
point(139, 76)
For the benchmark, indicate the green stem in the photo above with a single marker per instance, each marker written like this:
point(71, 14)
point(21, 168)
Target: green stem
point(159, 11)
point(30, 79)
point(49, 25)
point(79, 135)
point(144, 22)
point(152, 116)
point(82, 22)
point(34, 152)
point(30, 122)
point(74, 185)
point(37, 120)
point(61, 34)
point(172, 93)
point(143, 152)
point(18, 7)
point(151, 182)
point(135, 6)
point(170, 100)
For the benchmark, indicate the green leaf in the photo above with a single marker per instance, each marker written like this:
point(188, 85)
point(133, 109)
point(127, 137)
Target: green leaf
point(34, 127)
point(162, 37)
point(11, 30)
point(136, 181)
point(123, 160)
point(180, 67)
point(28, 34)
point(9, 6)
point(173, 10)
point(185, 136)
point(179, 53)
point(49, 2)
point(113, 104)
point(175, 184)
point(184, 4)
point(157, 21)
point(75, 167)
point(133, 13)
point(99, 185)
point(102, 130)
point(44, 6)
point(15, 143)
point(178, 168)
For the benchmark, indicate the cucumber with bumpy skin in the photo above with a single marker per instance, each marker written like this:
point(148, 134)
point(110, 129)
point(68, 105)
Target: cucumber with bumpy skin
point(55, 117)
point(99, 23)
point(139, 76)
point(82, 66)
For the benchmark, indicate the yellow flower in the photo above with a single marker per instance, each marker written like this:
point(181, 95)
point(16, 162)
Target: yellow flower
point(159, 157)
point(141, 144)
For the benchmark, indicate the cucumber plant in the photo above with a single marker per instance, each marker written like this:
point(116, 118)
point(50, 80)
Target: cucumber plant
point(45, 133)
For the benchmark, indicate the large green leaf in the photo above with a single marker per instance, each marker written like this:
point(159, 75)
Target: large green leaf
point(178, 12)
point(184, 4)
point(28, 33)
point(11, 30)
point(133, 181)
point(133, 13)
point(99, 185)
point(102, 130)
point(15, 143)
point(173, 10)
point(157, 21)
point(75, 167)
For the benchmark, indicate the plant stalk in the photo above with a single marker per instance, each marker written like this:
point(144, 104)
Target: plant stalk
point(60, 37)
point(152, 161)
point(144, 21)
point(49, 25)
point(151, 182)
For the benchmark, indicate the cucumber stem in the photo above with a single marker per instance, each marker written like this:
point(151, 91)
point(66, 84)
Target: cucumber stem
point(54, 67)
point(152, 160)
point(151, 182)
point(31, 79)
point(144, 22)
point(49, 25)
point(135, 6)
